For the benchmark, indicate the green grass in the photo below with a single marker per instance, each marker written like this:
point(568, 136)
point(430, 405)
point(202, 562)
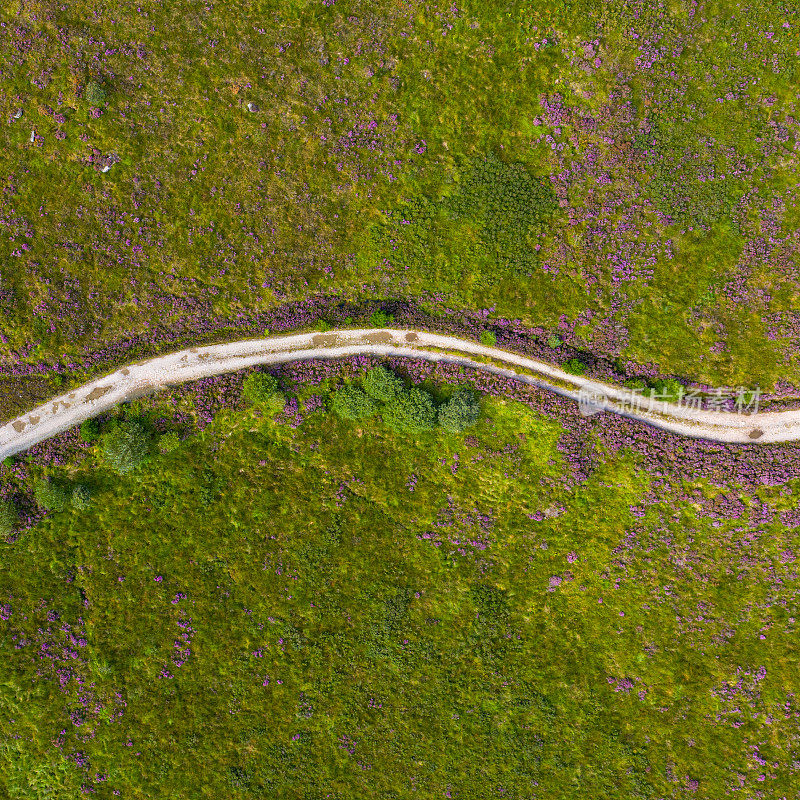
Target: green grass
point(303, 555)
point(286, 210)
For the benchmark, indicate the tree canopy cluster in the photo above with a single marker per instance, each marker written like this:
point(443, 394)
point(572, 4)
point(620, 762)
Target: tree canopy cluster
point(408, 410)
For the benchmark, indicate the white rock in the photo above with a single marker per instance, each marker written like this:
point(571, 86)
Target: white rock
point(18, 114)
point(33, 136)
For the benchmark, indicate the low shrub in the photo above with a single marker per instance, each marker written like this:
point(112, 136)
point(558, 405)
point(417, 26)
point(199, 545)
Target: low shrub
point(81, 497)
point(412, 411)
point(259, 387)
point(350, 402)
point(380, 319)
point(126, 446)
point(94, 93)
point(90, 430)
point(169, 442)
point(488, 338)
point(50, 495)
point(382, 384)
point(8, 517)
point(574, 366)
point(667, 389)
point(460, 412)
point(553, 341)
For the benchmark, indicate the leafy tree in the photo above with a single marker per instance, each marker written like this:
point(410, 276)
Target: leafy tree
point(412, 411)
point(382, 384)
point(90, 430)
point(488, 338)
point(8, 517)
point(460, 412)
point(574, 366)
point(94, 93)
point(259, 387)
point(81, 497)
point(50, 495)
point(126, 446)
point(350, 402)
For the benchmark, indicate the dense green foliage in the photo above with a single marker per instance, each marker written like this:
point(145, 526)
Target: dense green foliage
point(460, 412)
point(126, 446)
point(81, 497)
point(169, 442)
point(507, 205)
point(94, 93)
point(259, 387)
point(411, 411)
point(667, 389)
point(382, 384)
point(574, 366)
point(350, 402)
point(8, 517)
point(90, 430)
point(51, 495)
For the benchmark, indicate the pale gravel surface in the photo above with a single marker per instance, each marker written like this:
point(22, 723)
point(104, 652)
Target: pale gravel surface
point(103, 393)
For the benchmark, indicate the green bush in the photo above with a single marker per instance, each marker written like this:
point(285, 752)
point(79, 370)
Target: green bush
point(275, 403)
point(574, 366)
point(382, 384)
point(412, 411)
point(460, 412)
point(90, 430)
point(169, 442)
point(8, 517)
point(350, 402)
point(506, 203)
point(126, 446)
point(488, 338)
point(94, 93)
point(259, 387)
point(667, 389)
point(490, 602)
point(380, 320)
point(81, 497)
point(50, 495)
point(553, 341)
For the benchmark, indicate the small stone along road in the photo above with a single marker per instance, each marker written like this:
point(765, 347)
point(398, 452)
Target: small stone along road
point(143, 377)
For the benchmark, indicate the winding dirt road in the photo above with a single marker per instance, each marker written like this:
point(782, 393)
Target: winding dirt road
point(137, 379)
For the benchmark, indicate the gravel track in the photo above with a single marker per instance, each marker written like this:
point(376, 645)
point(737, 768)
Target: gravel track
point(101, 394)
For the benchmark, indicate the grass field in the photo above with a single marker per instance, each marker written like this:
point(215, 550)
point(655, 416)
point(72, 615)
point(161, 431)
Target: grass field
point(302, 606)
point(621, 174)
